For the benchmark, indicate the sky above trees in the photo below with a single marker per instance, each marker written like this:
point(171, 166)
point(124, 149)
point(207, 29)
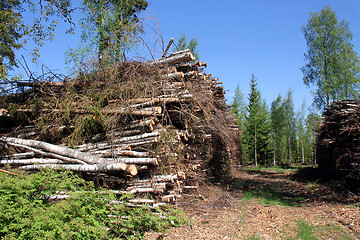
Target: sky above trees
point(236, 39)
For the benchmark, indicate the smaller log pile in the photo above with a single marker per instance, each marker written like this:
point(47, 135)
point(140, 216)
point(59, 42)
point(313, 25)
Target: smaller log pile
point(169, 127)
point(338, 140)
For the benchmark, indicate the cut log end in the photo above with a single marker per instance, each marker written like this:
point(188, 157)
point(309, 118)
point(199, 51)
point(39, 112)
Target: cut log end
point(132, 170)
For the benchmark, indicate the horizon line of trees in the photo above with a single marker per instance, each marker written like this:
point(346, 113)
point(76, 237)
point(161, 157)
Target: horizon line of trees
point(280, 136)
point(274, 135)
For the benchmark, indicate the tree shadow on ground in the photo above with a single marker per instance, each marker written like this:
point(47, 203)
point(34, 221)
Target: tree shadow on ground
point(290, 188)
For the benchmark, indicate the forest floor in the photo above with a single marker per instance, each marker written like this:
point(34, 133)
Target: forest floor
point(268, 204)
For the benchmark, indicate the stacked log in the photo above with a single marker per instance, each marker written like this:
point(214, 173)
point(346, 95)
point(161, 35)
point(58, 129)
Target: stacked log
point(181, 128)
point(338, 140)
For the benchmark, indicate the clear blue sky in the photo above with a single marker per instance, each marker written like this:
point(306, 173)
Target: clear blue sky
point(237, 38)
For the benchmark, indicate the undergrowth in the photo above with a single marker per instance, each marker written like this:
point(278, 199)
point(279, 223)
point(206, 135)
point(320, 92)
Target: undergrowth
point(305, 231)
point(27, 211)
point(268, 195)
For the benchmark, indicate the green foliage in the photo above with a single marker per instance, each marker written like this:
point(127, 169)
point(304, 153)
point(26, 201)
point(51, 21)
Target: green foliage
point(311, 124)
point(332, 64)
point(290, 129)
point(109, 29)
point(238, 107)
point(257, 149)
point(279, 136)
point(278, 122)
point(290, 140)
point(27, 212)
point(9, 32)
point(192, 45)
point(15, 32)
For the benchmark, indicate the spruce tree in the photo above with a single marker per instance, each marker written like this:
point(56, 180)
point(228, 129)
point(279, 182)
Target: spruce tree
point(257, 128)
point(238, 107)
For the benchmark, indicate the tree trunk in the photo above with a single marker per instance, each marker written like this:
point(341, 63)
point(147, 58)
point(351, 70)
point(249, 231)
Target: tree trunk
point(64, 151)
point(106, 168)
point(255, 148)
point(180, 58)
point(145, 161)
point(302, 151)
point(31, 161)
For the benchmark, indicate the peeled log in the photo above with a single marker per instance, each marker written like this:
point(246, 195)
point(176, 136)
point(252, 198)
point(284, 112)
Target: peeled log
point(106, 168)
point(64, 151)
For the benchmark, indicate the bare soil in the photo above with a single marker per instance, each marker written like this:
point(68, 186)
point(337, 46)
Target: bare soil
point(225, 211)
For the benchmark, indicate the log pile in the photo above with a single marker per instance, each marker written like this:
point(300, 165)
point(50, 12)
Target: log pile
point(338, 140)
point(155, 127)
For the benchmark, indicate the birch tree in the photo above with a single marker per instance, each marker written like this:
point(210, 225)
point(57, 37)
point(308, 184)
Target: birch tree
point(332, 65)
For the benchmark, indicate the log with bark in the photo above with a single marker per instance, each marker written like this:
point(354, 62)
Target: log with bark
point(105, 168)
point(51, 148)
point(179, 57)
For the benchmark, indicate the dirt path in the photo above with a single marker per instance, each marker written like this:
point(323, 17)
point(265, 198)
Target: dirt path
point(268, 205)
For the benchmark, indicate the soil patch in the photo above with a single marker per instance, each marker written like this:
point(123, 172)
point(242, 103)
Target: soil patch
point(268, 204)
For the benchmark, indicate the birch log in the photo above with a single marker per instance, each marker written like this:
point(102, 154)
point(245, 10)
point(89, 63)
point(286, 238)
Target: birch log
point(31, 161)
point(179, 58)
point(48, 154)
point(120, 152)
point(175, 75)
point(64, 151)
point(145, 161)
point(106, 168)
point(21, 155)
point(104, 111)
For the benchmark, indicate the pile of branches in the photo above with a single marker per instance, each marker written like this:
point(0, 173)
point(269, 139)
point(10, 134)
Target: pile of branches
point(338, 140)
point(156, 126)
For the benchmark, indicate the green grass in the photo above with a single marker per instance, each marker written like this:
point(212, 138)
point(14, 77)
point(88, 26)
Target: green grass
point(253, 238)
point(267, 195)
point(276, 169)
point(331, 230)
point(305, 231)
